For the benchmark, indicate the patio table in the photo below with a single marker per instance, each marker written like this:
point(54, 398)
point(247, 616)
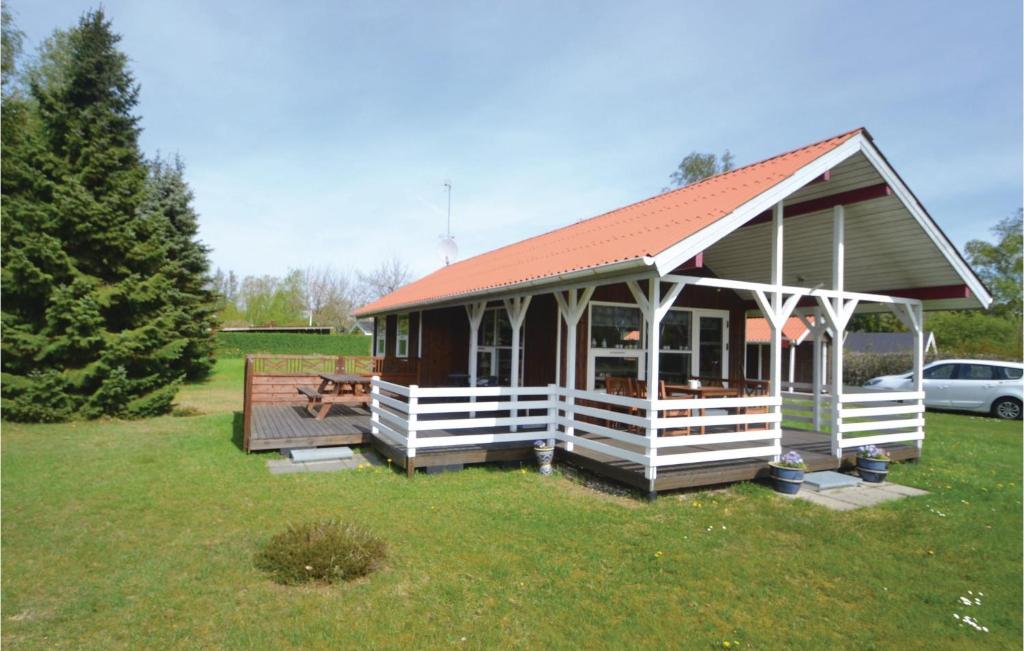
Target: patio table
point(701, 393)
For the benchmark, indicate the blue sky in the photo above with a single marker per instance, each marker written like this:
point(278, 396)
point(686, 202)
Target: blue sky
point(321, 133)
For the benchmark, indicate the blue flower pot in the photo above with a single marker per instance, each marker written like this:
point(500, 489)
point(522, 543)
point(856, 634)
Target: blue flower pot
point(872, 471)
point(787, 480)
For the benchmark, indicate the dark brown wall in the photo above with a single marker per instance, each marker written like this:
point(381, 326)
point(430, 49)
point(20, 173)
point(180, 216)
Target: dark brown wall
point(539, 341)
point(445, 345)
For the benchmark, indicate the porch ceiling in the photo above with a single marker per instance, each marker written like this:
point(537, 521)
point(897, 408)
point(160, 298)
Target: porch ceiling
point(886, 247)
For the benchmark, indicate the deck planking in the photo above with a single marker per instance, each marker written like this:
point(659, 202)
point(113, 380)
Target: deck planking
point(283, 426)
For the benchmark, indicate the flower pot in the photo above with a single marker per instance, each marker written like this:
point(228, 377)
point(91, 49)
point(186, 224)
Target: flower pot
point(872, 471)
point(787, 480)
point(545, 454)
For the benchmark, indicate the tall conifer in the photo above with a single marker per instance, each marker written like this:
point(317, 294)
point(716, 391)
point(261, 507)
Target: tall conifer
point(97, 291)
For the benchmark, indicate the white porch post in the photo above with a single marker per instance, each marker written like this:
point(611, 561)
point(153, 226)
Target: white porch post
point(918, 312)
point(835, 317)
point(816, 370)
point(778, 320)
point(792, 362)
point(516, 308)
point(475, 312)
point(653, 319)
point(572, 308)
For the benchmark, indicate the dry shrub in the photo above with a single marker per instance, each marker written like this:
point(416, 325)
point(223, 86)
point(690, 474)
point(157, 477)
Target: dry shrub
point(327, 550)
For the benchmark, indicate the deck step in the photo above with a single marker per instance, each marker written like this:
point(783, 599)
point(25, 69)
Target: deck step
point(827, 480)
point(321, 454)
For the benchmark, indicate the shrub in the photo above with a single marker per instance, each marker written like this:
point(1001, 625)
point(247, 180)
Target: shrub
point(326, 550)
point(239, 344)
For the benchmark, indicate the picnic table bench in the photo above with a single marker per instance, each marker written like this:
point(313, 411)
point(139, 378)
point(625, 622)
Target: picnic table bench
point(336, 389)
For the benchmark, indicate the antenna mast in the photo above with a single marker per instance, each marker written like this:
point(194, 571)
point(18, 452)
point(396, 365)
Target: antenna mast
point(447, 249)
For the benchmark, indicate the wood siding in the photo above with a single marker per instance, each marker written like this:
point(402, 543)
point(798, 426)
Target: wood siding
point(445, 345)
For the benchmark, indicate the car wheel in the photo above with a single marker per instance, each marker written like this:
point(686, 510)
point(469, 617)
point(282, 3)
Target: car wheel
point(1007, 409)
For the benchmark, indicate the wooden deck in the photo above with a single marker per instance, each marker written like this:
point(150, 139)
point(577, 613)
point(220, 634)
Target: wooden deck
point(814, 447)
point(284, 426)
point(291, 426)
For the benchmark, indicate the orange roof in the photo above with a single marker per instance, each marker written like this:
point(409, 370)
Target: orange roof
point(759, 332)
point(627, 234)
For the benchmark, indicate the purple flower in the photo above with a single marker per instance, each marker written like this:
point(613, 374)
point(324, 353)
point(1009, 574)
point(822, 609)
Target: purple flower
point(792, 459)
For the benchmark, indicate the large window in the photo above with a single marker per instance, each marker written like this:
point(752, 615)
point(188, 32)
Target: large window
point(618, 344)
point(494, 348)
point(402, 339)
point(380, 324)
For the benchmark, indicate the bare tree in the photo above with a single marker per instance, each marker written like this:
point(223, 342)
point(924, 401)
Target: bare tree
point(386, 278)
point(328, 297)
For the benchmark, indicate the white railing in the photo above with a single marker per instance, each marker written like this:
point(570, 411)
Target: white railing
point(756, 420)
point(419, 418)
point(799, 405)
point(637, 430)
point(899, 415)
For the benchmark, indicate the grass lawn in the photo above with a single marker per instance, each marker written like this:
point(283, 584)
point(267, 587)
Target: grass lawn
point(129, 534)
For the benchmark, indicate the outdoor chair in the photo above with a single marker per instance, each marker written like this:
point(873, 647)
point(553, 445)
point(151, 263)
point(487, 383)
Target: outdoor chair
point(673, 413)
point(755, 389)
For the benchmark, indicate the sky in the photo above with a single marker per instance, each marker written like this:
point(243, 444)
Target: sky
point(321, 133)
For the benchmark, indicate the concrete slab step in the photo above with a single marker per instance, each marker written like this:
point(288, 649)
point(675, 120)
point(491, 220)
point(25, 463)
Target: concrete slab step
point(321, 454)
point(826, 480)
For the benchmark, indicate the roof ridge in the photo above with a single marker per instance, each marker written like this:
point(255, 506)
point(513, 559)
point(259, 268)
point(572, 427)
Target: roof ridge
point(658, 196)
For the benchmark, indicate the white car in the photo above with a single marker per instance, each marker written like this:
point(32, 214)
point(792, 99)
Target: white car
point(965, 384)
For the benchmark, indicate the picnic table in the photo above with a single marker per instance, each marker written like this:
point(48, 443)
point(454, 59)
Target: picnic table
point(335, 389)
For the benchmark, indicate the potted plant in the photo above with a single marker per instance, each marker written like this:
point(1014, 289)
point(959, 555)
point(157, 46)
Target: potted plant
point(788, 473)
point(545, 453)
point(872, 463)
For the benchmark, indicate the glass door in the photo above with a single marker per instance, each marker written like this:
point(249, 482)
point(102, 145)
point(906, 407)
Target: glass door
point(712, 358)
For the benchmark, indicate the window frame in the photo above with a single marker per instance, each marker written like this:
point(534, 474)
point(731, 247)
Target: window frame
point(402, 338)
point(594, 352)
point(380, 338)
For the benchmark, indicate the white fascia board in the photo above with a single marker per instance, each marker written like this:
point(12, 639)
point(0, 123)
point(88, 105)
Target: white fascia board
point(930, 228)
point(590, 277)
point(666, 261)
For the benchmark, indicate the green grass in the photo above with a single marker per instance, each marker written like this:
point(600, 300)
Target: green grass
point(239, 344)
point(142, 534)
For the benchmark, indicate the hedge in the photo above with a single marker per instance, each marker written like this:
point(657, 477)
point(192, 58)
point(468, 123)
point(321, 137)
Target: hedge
point(858, 368)
point(239, 344)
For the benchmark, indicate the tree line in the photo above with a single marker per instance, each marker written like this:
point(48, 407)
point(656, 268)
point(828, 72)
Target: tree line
point(319, 296)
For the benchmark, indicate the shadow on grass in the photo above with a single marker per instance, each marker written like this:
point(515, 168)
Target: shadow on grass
point(238, 430)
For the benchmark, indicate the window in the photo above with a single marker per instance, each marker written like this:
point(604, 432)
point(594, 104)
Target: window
point(977, 372)
point(676, 347)
point(1012, 373)
point(494, 348)
point(380, 324)
point(402, 340)
point(618, 344)
point(941, 372)
point(615, 327)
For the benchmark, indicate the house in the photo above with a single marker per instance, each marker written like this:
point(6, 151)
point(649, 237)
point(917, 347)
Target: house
point(656, 294)
point(799, 359)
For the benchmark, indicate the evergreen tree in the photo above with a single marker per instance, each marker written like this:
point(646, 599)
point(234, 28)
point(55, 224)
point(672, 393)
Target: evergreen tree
point(169, 206)
point(96, 275)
